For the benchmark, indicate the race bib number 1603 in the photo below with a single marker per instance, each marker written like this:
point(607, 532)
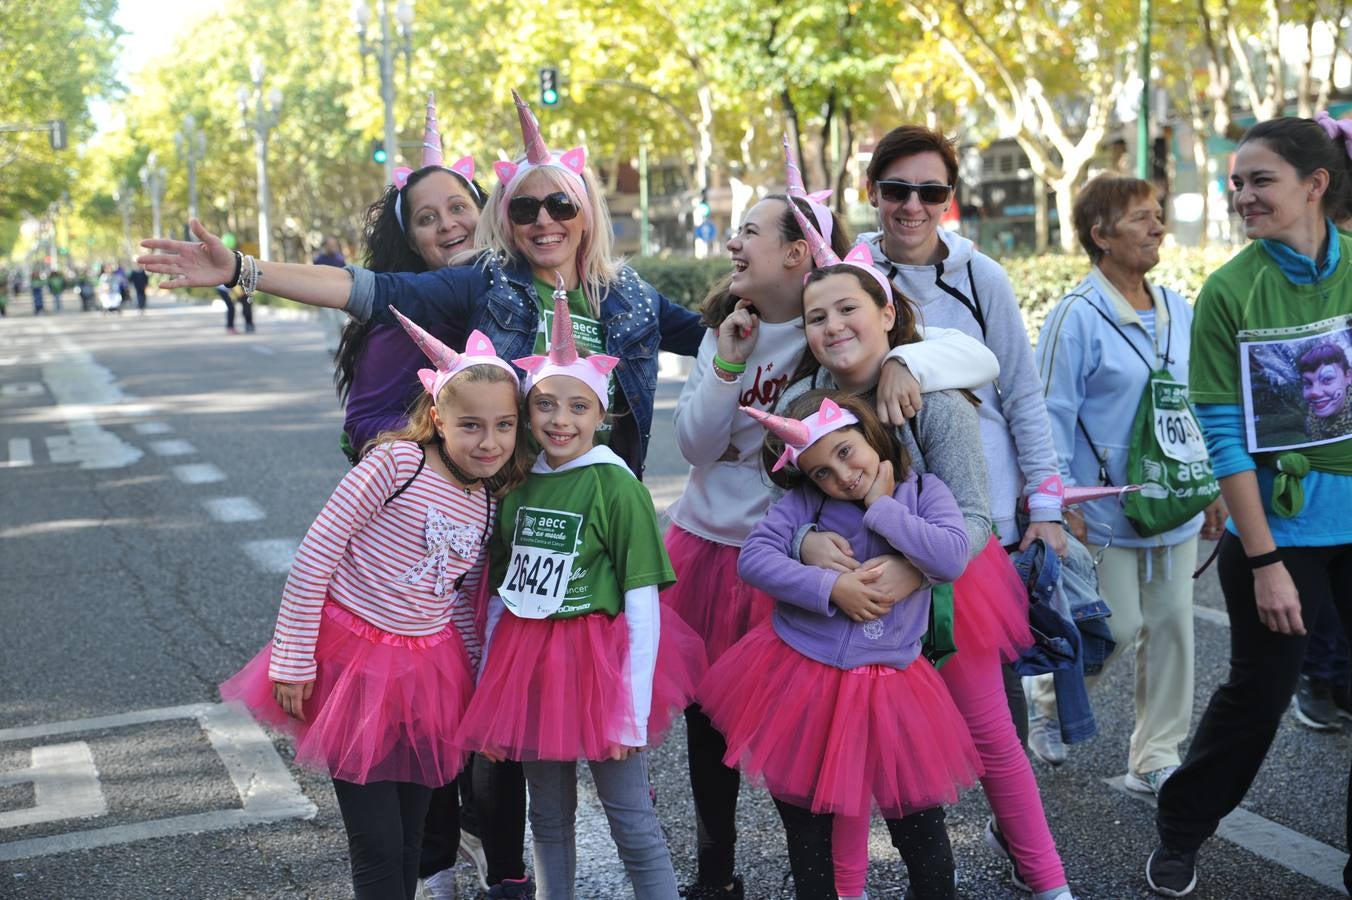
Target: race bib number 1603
point(544, 547)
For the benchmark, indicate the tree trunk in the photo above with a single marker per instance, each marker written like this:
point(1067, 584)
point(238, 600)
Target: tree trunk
point(1065, 205)
point(1041, 224)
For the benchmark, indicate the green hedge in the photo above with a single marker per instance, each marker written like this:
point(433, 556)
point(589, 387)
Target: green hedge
point(682, 279)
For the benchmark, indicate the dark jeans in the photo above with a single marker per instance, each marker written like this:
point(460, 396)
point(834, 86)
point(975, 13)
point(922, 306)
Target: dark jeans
point(921, 838)
point(246, 306)
point(1326, 656)
point(441, 830)
point(1244, 713)
point(384, 821)
point(715, 788)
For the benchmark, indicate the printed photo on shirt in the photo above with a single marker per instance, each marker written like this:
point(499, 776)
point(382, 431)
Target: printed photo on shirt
point(1296, 388)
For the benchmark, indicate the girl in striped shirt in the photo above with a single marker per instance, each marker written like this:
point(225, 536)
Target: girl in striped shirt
point(366, 669)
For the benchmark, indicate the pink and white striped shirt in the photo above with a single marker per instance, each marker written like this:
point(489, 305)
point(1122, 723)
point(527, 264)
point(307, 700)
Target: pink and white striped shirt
point(383, 562)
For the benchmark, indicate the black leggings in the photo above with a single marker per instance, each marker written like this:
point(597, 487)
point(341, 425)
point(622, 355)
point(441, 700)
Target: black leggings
point(441, 829)
point(384, 822)
point(921, 838)
point(1243, 716)
point(715, 788)
point(500, 805)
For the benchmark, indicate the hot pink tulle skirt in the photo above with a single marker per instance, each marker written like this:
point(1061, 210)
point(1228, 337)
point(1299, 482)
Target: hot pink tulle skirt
point(990, 606)
point(708, 595)
point(558, 689)
point(836, 740)
point(385, 707)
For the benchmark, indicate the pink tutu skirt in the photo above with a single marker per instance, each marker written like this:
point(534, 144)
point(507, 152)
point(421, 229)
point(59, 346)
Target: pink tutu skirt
point(990, 606)
point(836, 740)
point(385, 707)
point(708, 595)
point(558, 689)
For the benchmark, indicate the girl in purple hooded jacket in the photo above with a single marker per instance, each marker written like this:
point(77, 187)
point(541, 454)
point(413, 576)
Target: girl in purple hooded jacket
point(830, 704)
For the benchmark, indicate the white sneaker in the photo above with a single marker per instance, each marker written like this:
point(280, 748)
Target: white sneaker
point(1148, 782)
point(472, 851)
point(440, 886)
point(1044, 739)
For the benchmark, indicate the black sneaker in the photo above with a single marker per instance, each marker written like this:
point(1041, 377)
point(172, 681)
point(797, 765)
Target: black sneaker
point(1342, 699)
point(512, 889)
point(1171, 874)
point(1314, 706)
point(996, 841)
point(714, 891)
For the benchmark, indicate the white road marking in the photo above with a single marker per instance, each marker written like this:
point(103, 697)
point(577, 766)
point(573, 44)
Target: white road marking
point(152, 428)
point(1284, 846)
point(263, 349)
point(266, 789)
point(65, 786)
point(83, 388)
point(174, 447)
point(22, 389)
point(198, 473)
point(273, 555)
point(234, 509)
point(1214, 616)
point(20, 453)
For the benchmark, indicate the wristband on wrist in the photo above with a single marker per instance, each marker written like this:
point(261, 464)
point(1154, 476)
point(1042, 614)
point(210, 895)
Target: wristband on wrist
point(1264, 559)
point(239, 263)
point(730, 368)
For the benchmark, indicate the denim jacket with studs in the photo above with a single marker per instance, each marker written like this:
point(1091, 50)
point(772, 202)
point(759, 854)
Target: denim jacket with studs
point(496, 296)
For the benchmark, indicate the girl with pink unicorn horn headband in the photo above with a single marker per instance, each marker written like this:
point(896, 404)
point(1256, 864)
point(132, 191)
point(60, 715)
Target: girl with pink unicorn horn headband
point(990, 621)
point(583, 662)
point(753, 345)
point(548, 216)
point(840, 659)
point(366, 669)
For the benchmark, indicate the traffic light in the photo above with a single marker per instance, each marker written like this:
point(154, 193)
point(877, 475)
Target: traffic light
point(378, 155)
point(702, 207)
point(57, 134)
point(549, 87)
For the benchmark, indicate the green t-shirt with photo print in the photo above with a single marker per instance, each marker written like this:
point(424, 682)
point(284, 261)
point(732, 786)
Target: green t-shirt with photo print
point(588, 334)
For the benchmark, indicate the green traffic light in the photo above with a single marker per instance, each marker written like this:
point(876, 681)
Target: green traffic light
point(379, 156)
point(549, 98)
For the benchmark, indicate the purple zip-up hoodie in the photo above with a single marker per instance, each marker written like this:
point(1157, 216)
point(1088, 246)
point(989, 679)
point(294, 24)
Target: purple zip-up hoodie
point(923, 523)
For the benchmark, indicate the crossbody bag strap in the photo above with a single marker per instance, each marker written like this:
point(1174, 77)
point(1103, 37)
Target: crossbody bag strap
point(422, 461)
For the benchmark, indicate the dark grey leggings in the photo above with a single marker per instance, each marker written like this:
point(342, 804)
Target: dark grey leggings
point(384, 822)
point(921, 838)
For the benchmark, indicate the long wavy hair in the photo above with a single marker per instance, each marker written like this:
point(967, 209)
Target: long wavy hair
point(880, 437)
point(421, 430)
point(597, 267)
point(387, 247)
point(903, 327)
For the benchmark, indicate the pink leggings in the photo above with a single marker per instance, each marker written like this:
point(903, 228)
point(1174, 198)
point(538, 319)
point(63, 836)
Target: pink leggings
point(977, 687)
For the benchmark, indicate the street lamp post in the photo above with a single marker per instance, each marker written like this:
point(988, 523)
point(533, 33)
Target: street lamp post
point(152, 176)
point(261, 119)
point(403, 13)
point(191, 144)
point(123, 197)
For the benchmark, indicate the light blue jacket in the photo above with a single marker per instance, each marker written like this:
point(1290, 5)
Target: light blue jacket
point(1089, 375)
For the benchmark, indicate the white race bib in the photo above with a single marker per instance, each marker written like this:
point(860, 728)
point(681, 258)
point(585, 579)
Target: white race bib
point(544, 547)
point(1176, 429)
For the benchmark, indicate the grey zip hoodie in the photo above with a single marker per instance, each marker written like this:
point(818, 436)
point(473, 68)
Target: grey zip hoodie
point(1015, 429)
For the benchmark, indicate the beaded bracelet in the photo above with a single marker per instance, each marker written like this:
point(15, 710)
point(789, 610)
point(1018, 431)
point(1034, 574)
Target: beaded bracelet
point(730, 368)
point(239, 262)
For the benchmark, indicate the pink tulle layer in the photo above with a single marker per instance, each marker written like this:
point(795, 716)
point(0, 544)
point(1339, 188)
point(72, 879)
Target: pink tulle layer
point(385, 707)
point(558, 689)
point(990, 606)
point(708, 595)
point(834, 740)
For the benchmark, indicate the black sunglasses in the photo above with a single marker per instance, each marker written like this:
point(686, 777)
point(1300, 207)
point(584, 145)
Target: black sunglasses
point(900, 191)
point(524, 210)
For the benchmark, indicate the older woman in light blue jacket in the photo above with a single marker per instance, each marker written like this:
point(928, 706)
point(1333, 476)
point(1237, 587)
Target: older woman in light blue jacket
point(1096, 353)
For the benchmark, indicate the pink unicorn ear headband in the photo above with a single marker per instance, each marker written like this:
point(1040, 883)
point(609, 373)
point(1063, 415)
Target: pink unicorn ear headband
point(1337, 129)
point(799, 434)
point(859, 255)
point(815, 200)
point(478, 352)
point(593, 371)
point(431, 156)
point(571, 162)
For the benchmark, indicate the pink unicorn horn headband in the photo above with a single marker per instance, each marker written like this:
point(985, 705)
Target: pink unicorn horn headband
point(822, 254)
point(815, 201)
point(431, 157)
point(563, 359)
point(537, 155)
point(799, 434)
point(478, 352)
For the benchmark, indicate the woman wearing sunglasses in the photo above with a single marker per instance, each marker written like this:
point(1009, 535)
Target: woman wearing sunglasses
point(545, 217)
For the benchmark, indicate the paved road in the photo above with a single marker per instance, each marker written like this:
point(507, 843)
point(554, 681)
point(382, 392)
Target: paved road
point(156, 474)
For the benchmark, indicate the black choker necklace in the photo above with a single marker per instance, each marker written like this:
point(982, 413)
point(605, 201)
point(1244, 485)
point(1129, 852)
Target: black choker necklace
point(465, 480)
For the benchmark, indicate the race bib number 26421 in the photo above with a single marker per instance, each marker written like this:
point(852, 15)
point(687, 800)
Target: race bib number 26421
point(544, 547)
